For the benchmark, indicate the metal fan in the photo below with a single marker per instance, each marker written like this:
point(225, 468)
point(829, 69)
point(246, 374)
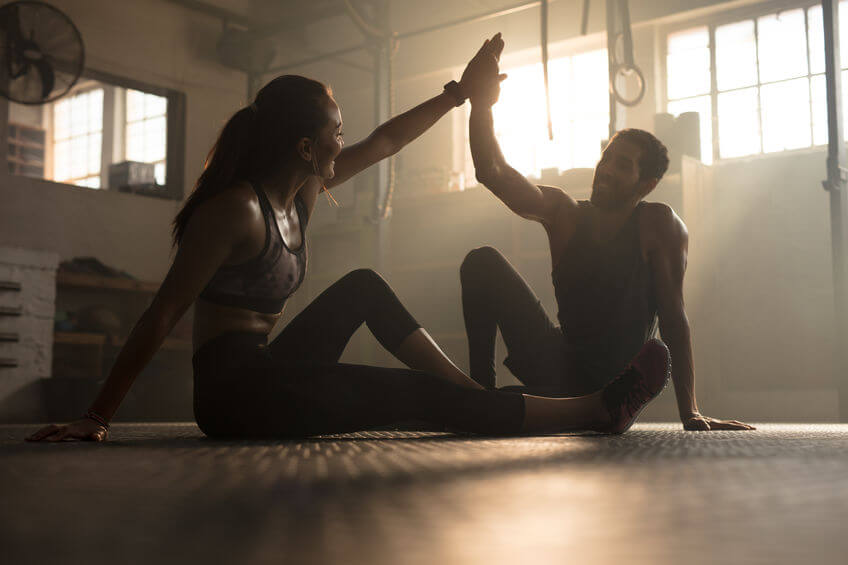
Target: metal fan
point(41, 52)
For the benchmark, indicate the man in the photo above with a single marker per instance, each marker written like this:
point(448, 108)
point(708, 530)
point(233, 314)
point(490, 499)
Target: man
point(618, 267)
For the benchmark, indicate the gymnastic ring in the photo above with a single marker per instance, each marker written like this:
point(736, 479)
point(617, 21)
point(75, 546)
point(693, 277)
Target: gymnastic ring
point(625, 68)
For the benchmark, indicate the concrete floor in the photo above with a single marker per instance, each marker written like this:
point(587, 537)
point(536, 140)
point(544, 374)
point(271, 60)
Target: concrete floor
point(161, 493)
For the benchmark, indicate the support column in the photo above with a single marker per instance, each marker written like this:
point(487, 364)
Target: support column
point(837, 175)
point(382, 112)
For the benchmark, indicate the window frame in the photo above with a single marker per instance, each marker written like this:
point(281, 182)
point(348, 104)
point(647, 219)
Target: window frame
point(175, 124)
point(174, 188)
point(713, 21)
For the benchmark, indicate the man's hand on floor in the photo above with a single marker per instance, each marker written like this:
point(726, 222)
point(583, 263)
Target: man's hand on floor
point(701, 423)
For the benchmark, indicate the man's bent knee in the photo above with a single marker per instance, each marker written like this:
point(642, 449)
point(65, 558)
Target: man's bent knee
point(480, 260)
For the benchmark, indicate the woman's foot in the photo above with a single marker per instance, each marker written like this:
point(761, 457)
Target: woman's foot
point(639, 383)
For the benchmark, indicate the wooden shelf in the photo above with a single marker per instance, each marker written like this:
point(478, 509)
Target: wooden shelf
point(24, 162)
point(78, 338)
point(84, 338)
point(23, 143)
point(86, 280)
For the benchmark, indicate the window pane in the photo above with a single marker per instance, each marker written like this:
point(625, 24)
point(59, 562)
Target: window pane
point(782, 45)
point(95, 110)
point(589, 83)
point(154, 105)
point(587, 136)
point(816, 33)
point(786, 115)
point(819, 97)
point(519, 117)
point(738, 123)
point(154, 139)
point(61, 160)
point(819, 110)
point(135, 141)
point(79, 115)
point(135, 105)
point(159, 173)
point(703, 106)
point(688, 63)
point(736, 55)
point(815, 29)
point(94, 144)
point(79, 165)
point(61, 120)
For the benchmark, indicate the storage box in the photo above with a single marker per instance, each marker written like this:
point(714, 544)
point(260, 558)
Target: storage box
point(131, 173)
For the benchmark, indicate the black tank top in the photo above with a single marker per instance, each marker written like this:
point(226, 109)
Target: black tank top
point(263, 283)
point(607, 308)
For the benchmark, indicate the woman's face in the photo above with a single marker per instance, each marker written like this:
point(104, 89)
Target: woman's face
point(329, 142)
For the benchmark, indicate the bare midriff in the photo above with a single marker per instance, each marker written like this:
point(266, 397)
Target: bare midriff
point(212, 320)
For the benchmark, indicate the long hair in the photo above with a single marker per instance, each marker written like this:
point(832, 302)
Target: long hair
point(257, 138)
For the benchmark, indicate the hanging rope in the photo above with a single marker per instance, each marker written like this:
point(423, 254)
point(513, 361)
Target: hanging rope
point(544, 23)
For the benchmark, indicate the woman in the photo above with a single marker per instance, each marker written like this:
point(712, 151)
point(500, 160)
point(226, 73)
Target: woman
point(242, 253)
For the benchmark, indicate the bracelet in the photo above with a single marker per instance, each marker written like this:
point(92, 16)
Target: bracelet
point(92, 415)
point(453, 89)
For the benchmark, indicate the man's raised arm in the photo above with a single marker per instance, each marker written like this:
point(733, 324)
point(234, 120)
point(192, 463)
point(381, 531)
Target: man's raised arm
point(491, 169)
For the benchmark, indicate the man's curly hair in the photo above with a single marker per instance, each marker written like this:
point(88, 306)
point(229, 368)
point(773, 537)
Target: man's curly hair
point(654, 161)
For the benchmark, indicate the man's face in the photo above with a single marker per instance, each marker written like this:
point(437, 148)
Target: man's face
point(616, 182)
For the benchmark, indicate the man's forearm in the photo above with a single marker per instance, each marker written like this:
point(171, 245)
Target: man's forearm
point(485, 151)
point(677, 335)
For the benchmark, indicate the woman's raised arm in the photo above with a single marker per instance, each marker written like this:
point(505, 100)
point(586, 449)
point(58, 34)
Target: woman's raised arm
point(393, 135)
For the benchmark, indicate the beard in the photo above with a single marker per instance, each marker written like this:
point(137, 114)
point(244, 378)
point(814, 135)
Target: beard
point(606, 199)
point(611, 198)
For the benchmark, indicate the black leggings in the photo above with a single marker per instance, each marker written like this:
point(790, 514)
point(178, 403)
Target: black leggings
point(295, 385)
point(495, 296)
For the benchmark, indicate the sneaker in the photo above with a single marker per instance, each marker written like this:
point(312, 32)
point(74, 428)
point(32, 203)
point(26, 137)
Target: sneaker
point(639, 383)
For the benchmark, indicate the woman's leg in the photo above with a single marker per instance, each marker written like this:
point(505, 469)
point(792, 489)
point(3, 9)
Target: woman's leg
point(322, 330)
point(239, 392)
point(495, 296)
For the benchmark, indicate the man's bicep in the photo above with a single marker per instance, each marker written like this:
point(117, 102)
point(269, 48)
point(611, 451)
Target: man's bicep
point(668, 266)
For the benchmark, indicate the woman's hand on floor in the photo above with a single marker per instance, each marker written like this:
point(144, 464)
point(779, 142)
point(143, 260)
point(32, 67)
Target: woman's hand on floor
point(82, 429)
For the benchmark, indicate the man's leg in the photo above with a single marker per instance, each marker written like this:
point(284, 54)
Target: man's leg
point(495, 296)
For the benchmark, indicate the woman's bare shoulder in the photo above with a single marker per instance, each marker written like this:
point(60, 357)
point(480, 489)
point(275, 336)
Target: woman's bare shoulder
point(235, 205)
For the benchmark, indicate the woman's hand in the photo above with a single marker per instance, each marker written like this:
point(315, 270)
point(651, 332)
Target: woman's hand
point(82, 429)
point(481, 79)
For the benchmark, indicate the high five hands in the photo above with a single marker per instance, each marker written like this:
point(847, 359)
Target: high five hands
point(481, 78)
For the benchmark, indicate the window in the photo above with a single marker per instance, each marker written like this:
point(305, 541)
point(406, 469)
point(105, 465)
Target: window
point(146, 127)
point(77, 138)
point(87, 137)
point(579, 114)
point(768, 92)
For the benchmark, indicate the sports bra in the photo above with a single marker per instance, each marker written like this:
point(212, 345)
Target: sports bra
point(262, 284)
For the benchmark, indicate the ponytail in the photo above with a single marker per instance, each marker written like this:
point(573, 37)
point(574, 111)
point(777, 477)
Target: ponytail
point(256, 139)
point(223, 165)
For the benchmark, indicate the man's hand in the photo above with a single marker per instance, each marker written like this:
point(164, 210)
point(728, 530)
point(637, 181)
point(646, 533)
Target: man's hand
point(481, 79)
point(700, 423)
